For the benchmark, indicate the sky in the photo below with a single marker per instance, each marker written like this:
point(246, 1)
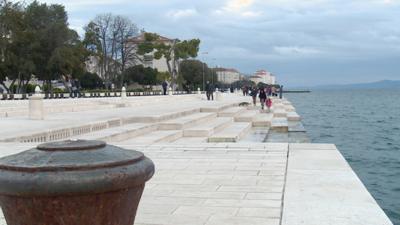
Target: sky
point(302, 42)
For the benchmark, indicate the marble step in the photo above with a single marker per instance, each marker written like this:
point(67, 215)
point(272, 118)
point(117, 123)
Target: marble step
point(279, 112)
point(186, 121)
point(279, 124)
point(256, 135)
point(277, 137)
point(231, 112)
point(208, 128)
point(119, 133)
point(161, 136)
point(191, 140)
point(160, 117)
point(289, 108)
point(233, 133)
point(293, 116)
point(246, 116)
point(262, 120)
point(216, 108)
point(296, 126)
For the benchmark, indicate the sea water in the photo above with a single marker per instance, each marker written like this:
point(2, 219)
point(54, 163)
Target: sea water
point(365, 126)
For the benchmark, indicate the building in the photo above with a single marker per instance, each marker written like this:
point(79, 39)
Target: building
point(148, 60)
point(263, 76)
point(227, 76)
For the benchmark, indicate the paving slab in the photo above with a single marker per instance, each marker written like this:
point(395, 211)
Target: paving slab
point(321, 188)
point(232, 133)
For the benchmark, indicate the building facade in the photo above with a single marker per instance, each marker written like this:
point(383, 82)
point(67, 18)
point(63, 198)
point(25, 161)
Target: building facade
point(227, 76)
point(263, 76)
point(148, 60)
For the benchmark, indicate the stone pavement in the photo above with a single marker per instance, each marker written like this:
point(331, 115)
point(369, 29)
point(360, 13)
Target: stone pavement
point(259, 183)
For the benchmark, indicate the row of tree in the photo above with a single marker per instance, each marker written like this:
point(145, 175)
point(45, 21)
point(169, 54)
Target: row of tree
point(36, 42)
point(36, 39)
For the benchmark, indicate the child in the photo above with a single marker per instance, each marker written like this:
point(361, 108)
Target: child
point(269, 104)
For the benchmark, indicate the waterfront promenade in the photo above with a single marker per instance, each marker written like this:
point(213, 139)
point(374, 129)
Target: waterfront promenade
point(212, 167)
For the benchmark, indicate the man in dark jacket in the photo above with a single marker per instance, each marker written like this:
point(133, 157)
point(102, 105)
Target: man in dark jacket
point(164, 87)
point(209, 91)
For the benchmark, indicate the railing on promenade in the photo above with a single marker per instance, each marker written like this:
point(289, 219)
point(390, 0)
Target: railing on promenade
point(90, 95)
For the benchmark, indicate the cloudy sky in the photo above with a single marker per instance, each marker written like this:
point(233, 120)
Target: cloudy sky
point(303, 42)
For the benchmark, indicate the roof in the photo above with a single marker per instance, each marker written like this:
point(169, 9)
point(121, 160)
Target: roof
point(140, 38)
point(226, 70)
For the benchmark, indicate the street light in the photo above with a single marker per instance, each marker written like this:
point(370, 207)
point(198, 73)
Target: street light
point(204, 53)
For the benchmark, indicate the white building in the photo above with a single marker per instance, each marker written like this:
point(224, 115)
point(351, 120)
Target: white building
point(227, 76)
point(148, 60)
point(263, 76)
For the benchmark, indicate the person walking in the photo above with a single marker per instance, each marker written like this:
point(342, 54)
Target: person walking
point(209, 91)
point(273, 91)
point(253, 94)
point(263, 98)
point(268, 103)
point(164, 87)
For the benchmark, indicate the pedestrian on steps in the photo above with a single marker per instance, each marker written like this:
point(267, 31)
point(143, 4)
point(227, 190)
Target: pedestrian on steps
point(253, 94)
point(263, 98)
point(209, 91)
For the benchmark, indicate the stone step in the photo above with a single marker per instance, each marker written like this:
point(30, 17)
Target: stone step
point(160, 117)
point(192, 140)
point(120, 133)
point(246, 116)
point(208, 128)
point(161, 136)
point(186, 121)
point(279, 112)
point(296, 126)
point(289, 108)
point(231, 112)
point(279, 124)
point(293, 116)
point(216, 108)
point(233, 133)
point(256, 135)
point(262, 120)
point(277, 137)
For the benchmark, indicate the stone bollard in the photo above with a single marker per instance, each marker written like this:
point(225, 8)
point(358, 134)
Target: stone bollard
point(217, 95)
point(123, 93)
point(36, 111)
point(198, 91)
point(170, 93)
point(73, 183)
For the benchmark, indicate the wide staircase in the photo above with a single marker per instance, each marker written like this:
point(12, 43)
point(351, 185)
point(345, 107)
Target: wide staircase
point(228, 123)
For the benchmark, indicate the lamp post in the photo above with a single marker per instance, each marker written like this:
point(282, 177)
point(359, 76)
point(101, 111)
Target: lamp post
point(204, 53)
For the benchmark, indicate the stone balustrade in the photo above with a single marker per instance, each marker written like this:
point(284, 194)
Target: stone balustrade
point(4, 97)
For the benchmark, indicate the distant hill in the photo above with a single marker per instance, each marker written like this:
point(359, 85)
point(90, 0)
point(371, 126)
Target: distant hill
point(374, 85)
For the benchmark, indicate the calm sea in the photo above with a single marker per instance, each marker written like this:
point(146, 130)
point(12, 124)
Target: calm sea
point(365, 126)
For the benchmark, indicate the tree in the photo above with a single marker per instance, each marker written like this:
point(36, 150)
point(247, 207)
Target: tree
point(141, 75)
point(193, 72)
point(90, 81)
point(172, 52)
point(106, 37)
point(35, 39)
point(15, 46)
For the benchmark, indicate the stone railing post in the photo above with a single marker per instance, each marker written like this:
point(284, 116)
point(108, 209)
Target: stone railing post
point(217, 94)
point(170, 93)
point(36, 111)
point(123, 93)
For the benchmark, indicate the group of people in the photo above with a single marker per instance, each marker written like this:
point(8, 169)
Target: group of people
point(264, 94)
point(73, 86)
